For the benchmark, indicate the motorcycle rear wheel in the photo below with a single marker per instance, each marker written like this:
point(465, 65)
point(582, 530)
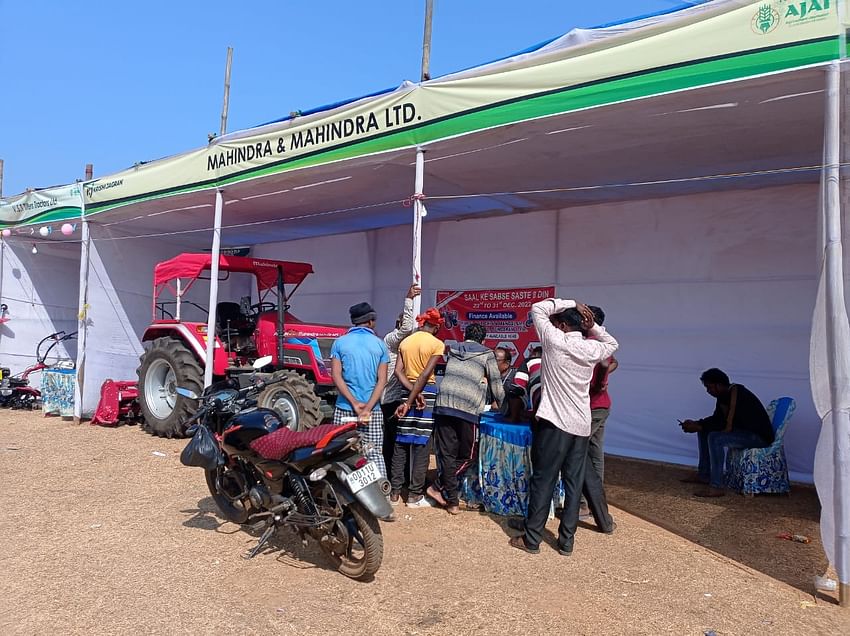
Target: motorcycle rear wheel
point(234, 511)
point(365, 548)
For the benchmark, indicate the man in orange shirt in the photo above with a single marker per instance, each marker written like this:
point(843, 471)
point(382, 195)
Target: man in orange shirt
point(418, 355)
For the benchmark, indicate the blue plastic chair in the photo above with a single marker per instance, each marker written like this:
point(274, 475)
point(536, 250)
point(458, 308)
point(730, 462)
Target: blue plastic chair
point(763, 470)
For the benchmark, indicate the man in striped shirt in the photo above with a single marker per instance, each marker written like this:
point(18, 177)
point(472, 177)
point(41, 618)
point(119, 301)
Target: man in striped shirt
point(514, 382)
point(560, 441)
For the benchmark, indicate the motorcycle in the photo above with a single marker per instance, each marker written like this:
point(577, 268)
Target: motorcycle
point(317, 482)
point(15, 390)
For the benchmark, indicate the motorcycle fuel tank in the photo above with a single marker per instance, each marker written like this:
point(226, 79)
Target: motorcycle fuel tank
point(247, 426)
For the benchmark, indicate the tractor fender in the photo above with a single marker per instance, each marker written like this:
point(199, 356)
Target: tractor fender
point(195, 339)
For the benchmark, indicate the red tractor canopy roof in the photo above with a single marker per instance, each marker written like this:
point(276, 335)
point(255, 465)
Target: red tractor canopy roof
point(191, 266)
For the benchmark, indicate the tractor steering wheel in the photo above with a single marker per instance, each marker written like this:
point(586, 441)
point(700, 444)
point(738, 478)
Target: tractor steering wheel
point(264, 306)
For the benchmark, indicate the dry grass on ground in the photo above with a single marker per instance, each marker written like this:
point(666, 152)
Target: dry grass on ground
point(104, 532)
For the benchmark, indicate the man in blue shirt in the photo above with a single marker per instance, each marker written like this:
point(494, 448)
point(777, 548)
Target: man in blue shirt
point(359, 362)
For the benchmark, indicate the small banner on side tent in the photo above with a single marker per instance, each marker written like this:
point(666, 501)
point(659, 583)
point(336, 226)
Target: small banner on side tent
point(42, 206)
point(505, 313)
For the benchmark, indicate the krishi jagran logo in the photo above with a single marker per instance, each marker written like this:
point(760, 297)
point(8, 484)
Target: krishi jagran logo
point(765, 20)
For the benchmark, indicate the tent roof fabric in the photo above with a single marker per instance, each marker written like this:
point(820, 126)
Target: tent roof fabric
point(191, 266)
point(581, 76)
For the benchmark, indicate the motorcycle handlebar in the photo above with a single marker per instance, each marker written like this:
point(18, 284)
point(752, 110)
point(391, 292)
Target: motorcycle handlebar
point(243, 395)
point(257, 387)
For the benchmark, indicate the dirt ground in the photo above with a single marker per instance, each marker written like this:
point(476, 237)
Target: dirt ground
point(105, 532)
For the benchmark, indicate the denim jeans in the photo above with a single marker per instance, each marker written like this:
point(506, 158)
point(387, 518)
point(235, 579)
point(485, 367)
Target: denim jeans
point(712, 451)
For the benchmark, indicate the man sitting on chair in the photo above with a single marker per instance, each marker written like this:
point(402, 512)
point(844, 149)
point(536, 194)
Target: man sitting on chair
point(739, 421)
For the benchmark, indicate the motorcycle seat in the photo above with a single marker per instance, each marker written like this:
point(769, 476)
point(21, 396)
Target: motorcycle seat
point(280, 444)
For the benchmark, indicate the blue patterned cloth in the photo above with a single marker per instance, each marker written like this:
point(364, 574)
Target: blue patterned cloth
point(499, 481)
point(57, 392)
point(763, 470)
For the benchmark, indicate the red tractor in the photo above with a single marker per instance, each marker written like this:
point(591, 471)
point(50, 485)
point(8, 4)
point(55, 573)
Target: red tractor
point(175, 350)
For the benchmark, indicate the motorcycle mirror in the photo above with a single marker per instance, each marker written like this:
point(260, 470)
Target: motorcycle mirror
point(259, 363)
point(186, 393)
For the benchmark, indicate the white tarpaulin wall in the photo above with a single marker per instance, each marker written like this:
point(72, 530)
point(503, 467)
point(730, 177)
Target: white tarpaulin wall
point(41, 293)
point(120, 302)
point(725, 279)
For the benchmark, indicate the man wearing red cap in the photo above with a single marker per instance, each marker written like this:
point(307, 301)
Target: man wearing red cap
point(418, 355)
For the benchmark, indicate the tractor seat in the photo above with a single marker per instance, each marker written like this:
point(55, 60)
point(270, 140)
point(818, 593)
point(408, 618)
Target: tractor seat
point(283, 442)
point(231, 321)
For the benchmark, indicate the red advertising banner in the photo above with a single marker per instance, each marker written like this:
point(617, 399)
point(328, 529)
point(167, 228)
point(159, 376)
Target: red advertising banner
point(503, 312)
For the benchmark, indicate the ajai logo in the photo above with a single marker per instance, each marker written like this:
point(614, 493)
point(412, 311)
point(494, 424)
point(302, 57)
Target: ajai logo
point(765, 20)
point(806, 11)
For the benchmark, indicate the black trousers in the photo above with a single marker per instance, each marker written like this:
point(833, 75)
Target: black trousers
point(554, 452)
point(456, 447)
point(390, 428)
point(594, 492)
point(417, 456)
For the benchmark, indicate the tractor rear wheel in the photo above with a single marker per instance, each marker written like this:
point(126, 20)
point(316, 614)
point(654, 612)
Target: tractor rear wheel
point(294, 399)
point(166, 365)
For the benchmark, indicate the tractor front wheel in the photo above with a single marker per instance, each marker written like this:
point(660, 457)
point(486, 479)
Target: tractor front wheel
point(165, 366)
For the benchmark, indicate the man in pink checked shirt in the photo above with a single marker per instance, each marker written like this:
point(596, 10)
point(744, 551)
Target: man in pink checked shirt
point(561, 438)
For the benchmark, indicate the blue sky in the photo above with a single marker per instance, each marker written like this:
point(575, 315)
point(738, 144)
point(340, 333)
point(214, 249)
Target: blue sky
point(114, 83)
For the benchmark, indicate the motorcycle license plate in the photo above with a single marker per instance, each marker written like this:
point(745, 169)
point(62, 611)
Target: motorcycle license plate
point(359, 479)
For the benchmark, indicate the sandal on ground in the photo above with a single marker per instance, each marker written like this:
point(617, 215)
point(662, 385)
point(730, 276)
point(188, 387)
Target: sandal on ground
point(519, 544)
point(453, 510)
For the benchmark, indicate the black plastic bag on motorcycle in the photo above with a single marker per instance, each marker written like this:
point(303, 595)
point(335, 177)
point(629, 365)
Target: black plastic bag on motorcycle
point(202, 450)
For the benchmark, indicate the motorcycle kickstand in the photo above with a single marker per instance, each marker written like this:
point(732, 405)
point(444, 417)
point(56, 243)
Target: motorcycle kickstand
point(263, 539)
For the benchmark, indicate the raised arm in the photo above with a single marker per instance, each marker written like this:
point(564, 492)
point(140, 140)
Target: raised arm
point(540, 315)
point(393, 339)
point(603, 345)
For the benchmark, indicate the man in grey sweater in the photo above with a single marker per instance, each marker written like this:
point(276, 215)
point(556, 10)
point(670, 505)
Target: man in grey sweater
point(470, 370)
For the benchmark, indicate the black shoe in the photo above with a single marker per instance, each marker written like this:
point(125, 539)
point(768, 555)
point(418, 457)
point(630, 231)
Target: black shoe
point(564, 551)
point(516, 523)
point(519, 544)
point(611, 529)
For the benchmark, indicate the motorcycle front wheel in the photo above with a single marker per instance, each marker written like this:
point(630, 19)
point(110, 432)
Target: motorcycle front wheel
point(364, 544)
point(225, 485)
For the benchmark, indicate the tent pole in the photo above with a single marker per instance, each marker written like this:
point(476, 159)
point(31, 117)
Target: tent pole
point(214, 258)
point(834, 296)
point(226, 103)
point(82, 316)
point(426, 41)
point(2, 270)
point(418, 213)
